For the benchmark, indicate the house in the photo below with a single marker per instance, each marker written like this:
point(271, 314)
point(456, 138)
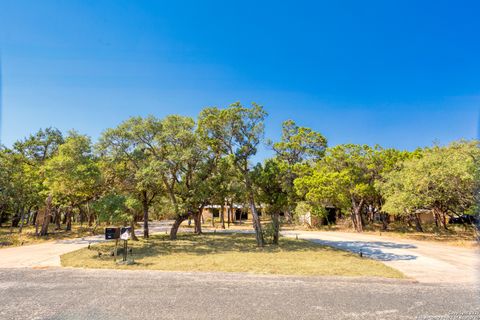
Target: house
point(312, 220)
point(237, 212)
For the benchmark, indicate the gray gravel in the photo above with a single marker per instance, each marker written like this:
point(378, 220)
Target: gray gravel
point(58, 293)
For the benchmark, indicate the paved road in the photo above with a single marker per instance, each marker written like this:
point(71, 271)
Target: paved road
point(62, 293)
point(424, 261)
point(48, 253)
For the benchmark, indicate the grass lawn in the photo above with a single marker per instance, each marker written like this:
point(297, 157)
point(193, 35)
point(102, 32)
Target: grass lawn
point(11, 239)
point(232, 253)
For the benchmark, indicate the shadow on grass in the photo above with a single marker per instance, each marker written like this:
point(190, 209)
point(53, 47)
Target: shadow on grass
point(210, 243)
point(372, 249)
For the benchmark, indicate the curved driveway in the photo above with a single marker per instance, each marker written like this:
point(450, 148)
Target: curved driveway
point(420, 260)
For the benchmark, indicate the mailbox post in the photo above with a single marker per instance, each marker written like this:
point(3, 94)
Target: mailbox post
point(125, 234)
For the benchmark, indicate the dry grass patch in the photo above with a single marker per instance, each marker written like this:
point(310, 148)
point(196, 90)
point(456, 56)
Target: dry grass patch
point(232, 253)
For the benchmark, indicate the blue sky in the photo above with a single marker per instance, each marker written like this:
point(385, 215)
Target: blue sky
point(399, 73)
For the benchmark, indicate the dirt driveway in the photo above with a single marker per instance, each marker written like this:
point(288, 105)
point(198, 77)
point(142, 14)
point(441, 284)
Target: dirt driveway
point(424, 261)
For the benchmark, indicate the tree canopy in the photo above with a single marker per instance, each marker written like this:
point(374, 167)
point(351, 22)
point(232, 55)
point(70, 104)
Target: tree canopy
point(177, 165)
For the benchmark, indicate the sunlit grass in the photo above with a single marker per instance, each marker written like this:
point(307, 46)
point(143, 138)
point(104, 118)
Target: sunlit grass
point(232, 253)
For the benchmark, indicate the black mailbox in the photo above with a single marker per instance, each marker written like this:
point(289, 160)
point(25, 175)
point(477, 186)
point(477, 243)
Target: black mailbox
point(112, 233)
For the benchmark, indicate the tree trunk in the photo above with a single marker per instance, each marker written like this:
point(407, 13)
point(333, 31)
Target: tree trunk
point(444, 220)
point(288, 216)
point(276, 228)
point(354, 221)
point(197, 220)
point(48, 216)
point(132, 226)
point(89, 215)
point(418, 225)
point(82, 215)
point(90, 220)
point(409, 219)
point(256, 221)
point(34, 218)
point(68, 215)
point(229, 212)
point(145, 214)
point(435, 218)
point(22, 217)
point(384, 218)
point(64, 220)
point(222, 215)
point(357, 211)
point(57, 219)
point(176, 224)
point(15, 219)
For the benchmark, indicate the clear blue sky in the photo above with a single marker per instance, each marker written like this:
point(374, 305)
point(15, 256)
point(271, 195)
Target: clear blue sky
point(398, 73)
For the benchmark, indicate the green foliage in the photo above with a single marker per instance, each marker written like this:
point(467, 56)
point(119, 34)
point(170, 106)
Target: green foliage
point(237, 131)
point(112, 208)
point(268, 232)
point(298, 147)
point(72, 176)
point(442, 178)
point(299, 144)
point(21, 174)
point(343, 178)
point(40, 146)
point(174, 166)
point(267, 179)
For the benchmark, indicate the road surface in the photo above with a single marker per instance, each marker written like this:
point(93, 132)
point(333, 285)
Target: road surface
point(445, 289)
point(62, 293)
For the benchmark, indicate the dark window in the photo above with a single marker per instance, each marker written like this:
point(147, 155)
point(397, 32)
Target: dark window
point(241, 215)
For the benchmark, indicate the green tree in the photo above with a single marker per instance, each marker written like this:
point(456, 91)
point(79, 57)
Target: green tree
point(343, 178)
point(41, 146)
point(181, 162)
point(237, 131)
point(25, 166)
point(127, 163)
point(268, 180)
point(442, 179)
point(72, 176)
point(297, 145)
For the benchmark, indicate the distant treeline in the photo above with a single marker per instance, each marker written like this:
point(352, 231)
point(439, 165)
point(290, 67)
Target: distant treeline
point(175, 166)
